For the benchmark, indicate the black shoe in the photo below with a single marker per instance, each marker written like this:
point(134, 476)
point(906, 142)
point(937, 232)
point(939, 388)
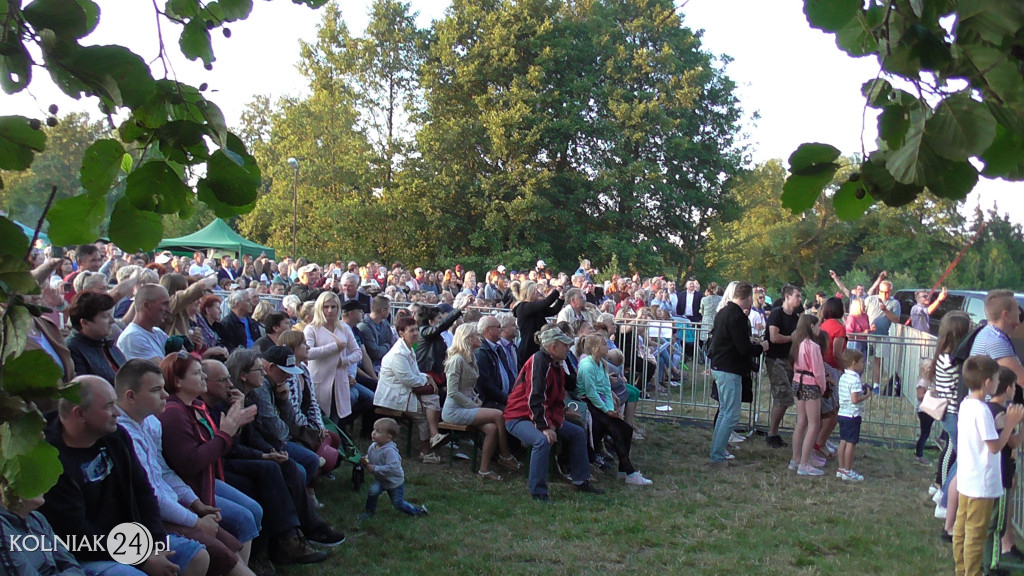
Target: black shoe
point(946, 536)
point(294, 549)
point(324, 535)
point(776, 441)
point(587, 487)
point(543, 498)
point(1014, 556)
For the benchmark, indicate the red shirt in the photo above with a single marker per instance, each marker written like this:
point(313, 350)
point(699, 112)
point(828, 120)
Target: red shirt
point(835, 329)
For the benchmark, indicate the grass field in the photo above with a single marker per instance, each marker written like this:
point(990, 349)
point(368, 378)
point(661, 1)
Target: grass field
point(751, 519)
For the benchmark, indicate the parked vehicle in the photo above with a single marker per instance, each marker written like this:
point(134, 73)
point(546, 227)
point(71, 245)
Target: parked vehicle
point(970, 301)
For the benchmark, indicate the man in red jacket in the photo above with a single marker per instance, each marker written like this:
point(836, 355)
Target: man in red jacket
point(535, 414)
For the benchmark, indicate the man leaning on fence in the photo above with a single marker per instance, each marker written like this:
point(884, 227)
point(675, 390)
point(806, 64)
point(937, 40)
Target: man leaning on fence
point(731, 349)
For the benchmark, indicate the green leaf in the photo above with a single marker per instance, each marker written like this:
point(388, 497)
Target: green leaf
point(17, 322)
point(32, 374)
point(127, 162)
point(881, 185)
point(831, 15)
point(801, 191)
point(34, 473)
point(13, 242)
point(15, 68)
point(195, 41)
point(893, 123)
point(230, 182)
point(156, 187)
point(19, 436)
point(220, 209)
point(993, 20)
point(960, 128)
point(236, 9)
point(910, 163)
point(998, 74)
point(132, 229)
point(183, 8)
point(1005, 157)
point(954, 181)
point(19, 142)
point(810, 154)
point(215, 120)
point(100, 166)
point(857, 37)
point(846, 203)
point(878, 92)
point(92, 15)
point(182, 141)
point(116, 74)
point(77, 220)
point(66, 18)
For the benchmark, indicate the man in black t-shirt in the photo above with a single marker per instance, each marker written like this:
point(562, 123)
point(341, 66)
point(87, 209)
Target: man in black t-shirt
point(781, 324)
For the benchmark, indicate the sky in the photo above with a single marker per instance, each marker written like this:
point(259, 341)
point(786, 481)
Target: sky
point(802, 87)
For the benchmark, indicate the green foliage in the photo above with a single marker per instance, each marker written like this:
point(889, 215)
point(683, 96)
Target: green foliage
point(962, 61)
point(170, 137)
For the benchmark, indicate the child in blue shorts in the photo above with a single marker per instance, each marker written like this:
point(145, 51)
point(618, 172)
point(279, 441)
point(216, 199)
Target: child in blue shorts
point(851, 393)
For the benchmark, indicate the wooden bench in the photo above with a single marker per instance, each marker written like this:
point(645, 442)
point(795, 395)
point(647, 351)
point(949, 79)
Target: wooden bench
point(402, 420)
point(455, 431)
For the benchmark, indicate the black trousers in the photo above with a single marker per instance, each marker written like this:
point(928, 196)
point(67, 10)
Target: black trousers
point(619, 430)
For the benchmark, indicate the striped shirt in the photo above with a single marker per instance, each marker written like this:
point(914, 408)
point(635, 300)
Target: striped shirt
point(946, 378)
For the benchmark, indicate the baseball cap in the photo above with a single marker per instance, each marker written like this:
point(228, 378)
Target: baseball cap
point(351, 305)
point(554, 335)
point(283, 357)
point(501, 268)
point(163, 258)
point(541, 264)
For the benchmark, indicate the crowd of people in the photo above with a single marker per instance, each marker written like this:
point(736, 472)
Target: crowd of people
point(220, 393)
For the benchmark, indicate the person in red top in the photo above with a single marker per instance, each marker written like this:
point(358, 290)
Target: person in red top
point(832, 325)
point(535, 414)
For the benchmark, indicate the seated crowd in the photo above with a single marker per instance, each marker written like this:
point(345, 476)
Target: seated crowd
point(220, 393)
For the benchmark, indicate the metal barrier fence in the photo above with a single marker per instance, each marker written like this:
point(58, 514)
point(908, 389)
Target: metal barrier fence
point(669, 365)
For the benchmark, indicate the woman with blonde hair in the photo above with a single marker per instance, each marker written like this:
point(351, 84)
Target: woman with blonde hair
point(332, 348)
point(463, 404)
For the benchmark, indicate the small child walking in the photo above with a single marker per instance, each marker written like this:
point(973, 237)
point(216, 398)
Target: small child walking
point(851, 393)
point(383, 461)
point(979, 469)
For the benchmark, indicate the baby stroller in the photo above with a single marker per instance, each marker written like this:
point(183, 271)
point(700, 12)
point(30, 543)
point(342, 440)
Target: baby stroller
point(348, 452)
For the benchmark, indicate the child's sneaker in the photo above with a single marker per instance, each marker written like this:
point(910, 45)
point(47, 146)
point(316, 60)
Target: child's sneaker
point(832, 448)
point(809, 471)
point(849, 476)
point(423, 510)
point(856, 476)
point(818, 461)
point(793, 465)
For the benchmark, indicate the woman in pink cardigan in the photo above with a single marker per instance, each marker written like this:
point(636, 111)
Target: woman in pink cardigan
point(332, 348)
point(808, 386)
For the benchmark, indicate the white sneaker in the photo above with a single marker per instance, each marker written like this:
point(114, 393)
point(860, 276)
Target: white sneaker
point(736, 438)
point(937, 496)
point(933, 489)
point(431, 458)
point(793, 465)
point(637, 479)
point(729, 456)
point(437, 439)
point(849, 476)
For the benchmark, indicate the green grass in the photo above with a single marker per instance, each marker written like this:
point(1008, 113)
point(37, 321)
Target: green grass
point(755, 518)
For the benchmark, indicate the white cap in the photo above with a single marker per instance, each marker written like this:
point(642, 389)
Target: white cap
point(501, 268)
point(163, 258)
point(541, 264)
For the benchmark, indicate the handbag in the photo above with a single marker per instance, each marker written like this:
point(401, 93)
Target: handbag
point(934, 406)
point(308, 436)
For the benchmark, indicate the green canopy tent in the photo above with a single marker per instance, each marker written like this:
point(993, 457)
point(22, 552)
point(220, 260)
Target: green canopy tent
point(217, 235)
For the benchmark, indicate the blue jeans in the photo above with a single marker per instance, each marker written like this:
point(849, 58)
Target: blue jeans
point(240, 515)
point(184, 551)
point(308, 461)
point(397, 496)
point(569, 434)
point(730, 391)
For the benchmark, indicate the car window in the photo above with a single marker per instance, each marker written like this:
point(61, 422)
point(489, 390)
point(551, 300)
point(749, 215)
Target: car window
point(976, 309)
point(952, 302)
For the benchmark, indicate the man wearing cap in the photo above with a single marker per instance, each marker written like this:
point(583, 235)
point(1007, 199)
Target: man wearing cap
point(541, 268)
point(305, 288)
point(275, 415)
point(535, 414)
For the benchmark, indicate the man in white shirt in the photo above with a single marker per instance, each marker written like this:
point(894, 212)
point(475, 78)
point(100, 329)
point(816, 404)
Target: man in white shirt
point(142, 338)
point(199, 267)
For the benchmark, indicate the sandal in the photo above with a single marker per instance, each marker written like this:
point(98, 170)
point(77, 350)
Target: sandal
point(489, 475)
point(511, 463)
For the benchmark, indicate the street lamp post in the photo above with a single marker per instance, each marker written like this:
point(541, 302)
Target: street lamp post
point(294, 163)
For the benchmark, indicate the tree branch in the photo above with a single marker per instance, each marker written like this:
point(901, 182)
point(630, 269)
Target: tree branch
point(39, 224)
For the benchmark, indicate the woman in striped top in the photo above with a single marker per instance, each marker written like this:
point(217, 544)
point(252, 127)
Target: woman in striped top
point(943, 370)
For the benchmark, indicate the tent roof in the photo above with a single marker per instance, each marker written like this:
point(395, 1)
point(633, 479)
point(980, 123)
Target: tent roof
point(216, 235)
